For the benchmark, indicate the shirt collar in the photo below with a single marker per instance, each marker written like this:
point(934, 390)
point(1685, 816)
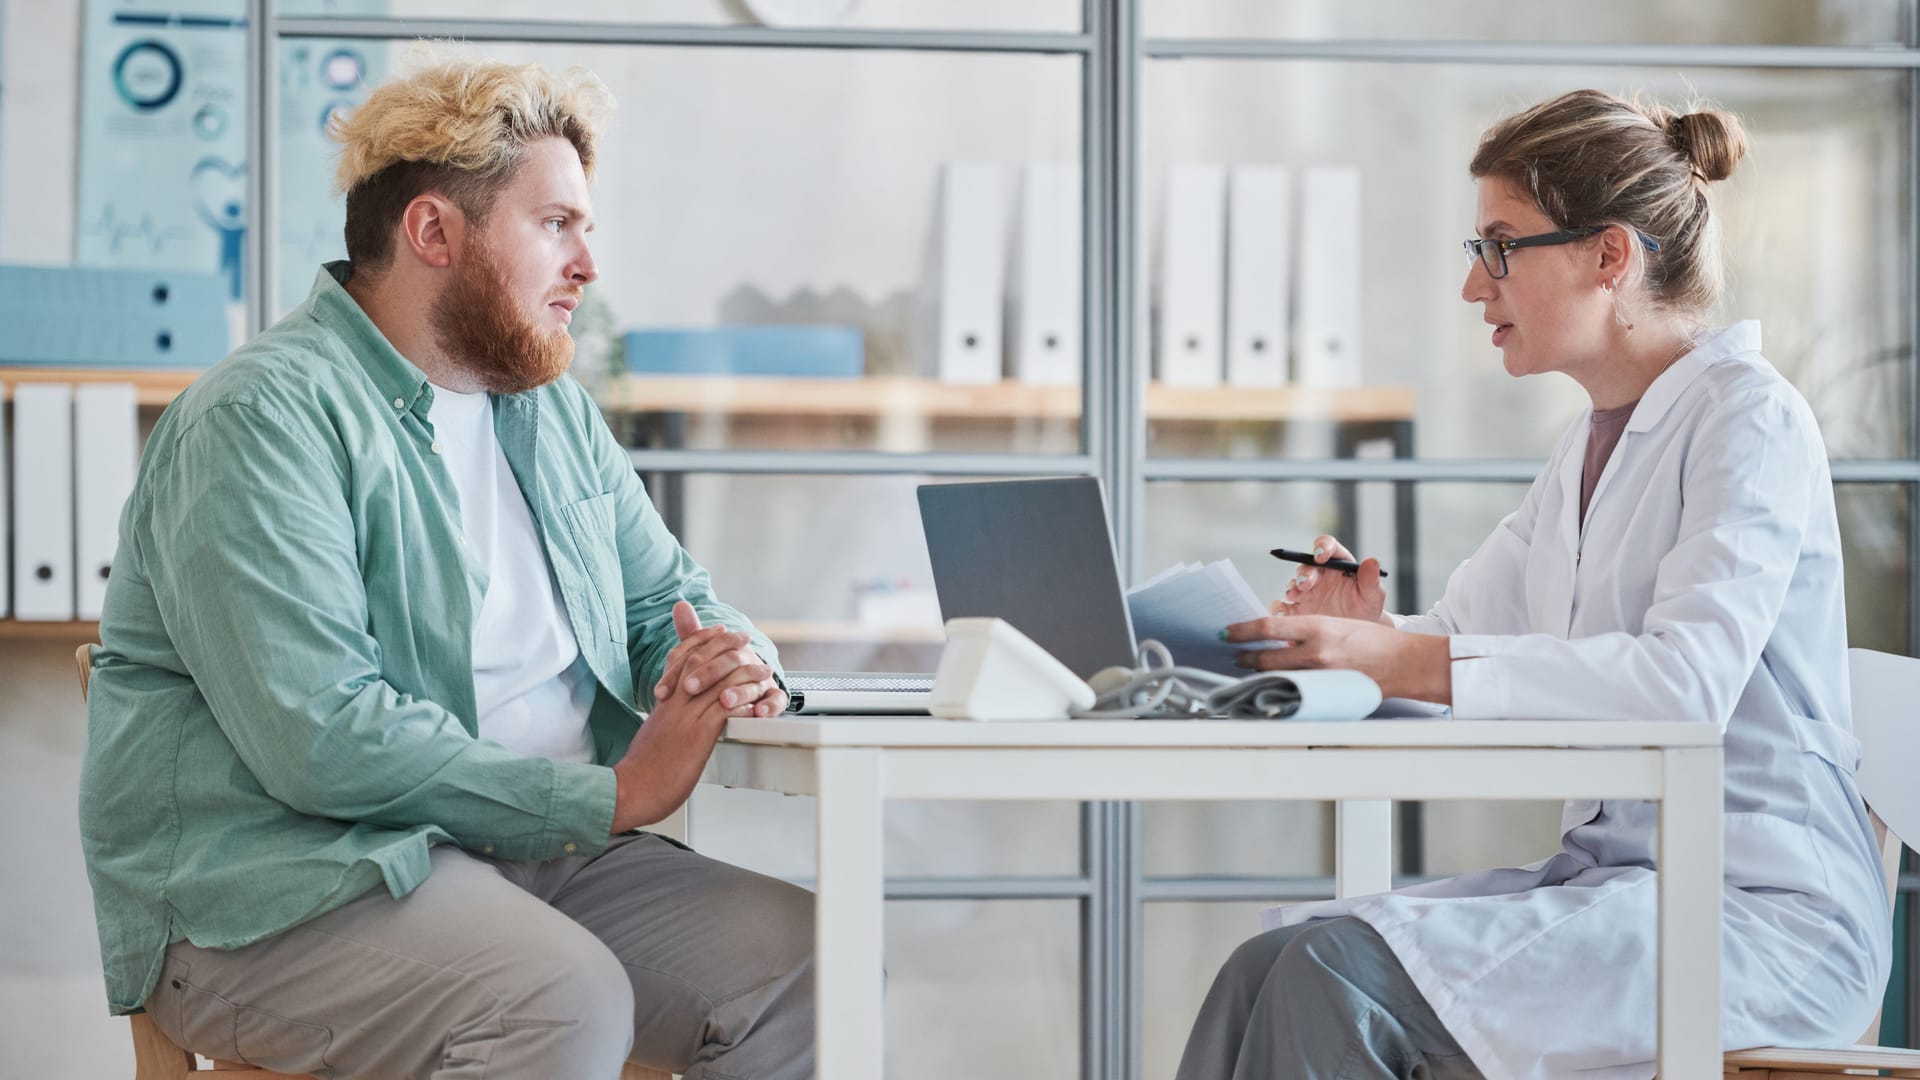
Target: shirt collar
point(1709, 348)
point(401, 385)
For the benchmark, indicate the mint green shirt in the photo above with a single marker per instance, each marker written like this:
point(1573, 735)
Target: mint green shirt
point(282, 711)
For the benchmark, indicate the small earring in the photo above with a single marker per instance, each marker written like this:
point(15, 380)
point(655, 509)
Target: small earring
point(1606, 286)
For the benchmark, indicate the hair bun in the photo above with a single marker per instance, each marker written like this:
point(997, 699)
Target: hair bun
point(1713, 142)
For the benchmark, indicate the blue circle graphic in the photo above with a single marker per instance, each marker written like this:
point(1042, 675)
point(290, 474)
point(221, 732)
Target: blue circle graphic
point(210, 122)
point(342, 69)
point(147, 75)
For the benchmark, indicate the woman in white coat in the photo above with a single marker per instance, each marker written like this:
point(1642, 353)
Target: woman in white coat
point(1679, 557)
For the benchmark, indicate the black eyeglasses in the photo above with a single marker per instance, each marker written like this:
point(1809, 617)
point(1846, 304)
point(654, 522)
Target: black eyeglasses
point(1493, 253)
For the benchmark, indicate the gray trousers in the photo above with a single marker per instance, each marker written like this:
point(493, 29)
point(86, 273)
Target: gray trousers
point(504, 970)
point(1324, 1000)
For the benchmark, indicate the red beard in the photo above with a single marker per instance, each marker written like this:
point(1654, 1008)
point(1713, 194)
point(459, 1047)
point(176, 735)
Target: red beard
point(479, 326)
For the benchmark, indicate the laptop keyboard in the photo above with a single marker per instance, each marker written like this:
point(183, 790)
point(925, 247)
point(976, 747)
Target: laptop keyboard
point(903, 683)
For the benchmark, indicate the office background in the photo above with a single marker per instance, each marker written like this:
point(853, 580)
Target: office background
point(781, 176)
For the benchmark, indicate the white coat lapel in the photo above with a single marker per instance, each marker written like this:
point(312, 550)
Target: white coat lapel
point(1555, 583)
point(1556, 573)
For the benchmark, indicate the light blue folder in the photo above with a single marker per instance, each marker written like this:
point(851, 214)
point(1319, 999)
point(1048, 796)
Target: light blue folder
point(74, 317)
point(834, 352)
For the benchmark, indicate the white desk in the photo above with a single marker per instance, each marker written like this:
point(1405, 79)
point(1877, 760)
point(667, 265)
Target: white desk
point(854, 765)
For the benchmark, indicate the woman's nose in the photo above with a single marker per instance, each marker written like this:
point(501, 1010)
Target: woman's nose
point(1479, 284)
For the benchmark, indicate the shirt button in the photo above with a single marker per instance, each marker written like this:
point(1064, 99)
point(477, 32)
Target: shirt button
point(439, 447)
point(399, 403)
point(488, 850)
point(569, 847)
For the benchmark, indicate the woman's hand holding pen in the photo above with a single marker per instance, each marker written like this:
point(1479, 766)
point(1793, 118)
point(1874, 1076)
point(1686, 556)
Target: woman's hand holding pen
point(1337, 618)
point(1318, 591)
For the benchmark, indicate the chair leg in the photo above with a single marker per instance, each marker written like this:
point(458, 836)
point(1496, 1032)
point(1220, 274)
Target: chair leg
point(154, 1055)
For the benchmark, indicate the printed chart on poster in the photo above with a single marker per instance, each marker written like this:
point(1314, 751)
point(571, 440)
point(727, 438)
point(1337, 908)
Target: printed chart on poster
point(163, 137)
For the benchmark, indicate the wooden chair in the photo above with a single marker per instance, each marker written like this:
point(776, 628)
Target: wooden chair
point(1887, 723)
point(155, 1057)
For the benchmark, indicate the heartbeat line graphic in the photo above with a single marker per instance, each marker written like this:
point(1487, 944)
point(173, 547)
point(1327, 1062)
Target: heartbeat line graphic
point(142, 234)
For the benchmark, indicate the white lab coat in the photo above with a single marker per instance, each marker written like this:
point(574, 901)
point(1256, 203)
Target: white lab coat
point(1710, 589)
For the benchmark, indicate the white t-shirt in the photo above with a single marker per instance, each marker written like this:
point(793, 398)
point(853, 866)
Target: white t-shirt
point(531, 685)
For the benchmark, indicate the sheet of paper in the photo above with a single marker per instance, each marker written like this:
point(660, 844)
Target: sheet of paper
point(1186, 608)
point(1169, 573)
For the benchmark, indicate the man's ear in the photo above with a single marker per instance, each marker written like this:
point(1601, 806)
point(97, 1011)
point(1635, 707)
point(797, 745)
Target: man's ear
point(429, 228)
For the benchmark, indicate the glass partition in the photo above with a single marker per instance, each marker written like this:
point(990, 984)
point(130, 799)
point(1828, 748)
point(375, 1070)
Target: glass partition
point(1182, 947)
point(1721, 22)
point(1371, 160)
point(1875, 522)
point(1013, 15)
point(833, 568)
point(788, 260)
point(983, 990)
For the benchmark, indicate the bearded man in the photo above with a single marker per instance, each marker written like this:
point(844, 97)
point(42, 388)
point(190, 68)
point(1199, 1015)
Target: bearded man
point(365, 756)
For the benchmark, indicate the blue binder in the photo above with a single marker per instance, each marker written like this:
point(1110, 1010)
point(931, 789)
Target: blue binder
point(81, 317)
point(831, 352)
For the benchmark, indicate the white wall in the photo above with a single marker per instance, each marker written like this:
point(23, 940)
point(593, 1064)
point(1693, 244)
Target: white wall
point(53, 1009)
point(53, 1003)
point(39, 129)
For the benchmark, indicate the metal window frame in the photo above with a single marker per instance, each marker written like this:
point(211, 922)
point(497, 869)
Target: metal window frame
point(1112, 887)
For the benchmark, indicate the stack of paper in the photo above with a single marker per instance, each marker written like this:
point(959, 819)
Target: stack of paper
point(1186, 607)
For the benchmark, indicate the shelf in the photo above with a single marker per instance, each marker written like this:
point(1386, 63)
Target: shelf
point(894, 395)
point(879, 395)
point(152, 387)
point(17, 629)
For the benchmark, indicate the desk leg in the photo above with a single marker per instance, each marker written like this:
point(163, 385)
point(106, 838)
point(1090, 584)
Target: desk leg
point(848, 911)
point(1690, 881)
point(1406, 567)
point(678, 824)
point(1362, 846)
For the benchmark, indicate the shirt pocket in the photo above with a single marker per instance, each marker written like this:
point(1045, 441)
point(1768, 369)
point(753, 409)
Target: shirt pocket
point(590, 525)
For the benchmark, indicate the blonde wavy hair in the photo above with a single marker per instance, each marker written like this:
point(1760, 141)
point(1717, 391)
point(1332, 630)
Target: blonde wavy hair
point(459, 126)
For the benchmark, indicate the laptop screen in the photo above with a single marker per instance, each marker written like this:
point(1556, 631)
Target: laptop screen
point(1036, 553)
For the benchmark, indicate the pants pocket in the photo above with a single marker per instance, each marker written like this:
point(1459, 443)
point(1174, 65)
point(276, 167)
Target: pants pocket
point(284, 1045)
point(209, 1024)
point(194, 1018)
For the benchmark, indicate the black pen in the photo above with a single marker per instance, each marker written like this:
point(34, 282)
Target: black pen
point(1342, 565)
